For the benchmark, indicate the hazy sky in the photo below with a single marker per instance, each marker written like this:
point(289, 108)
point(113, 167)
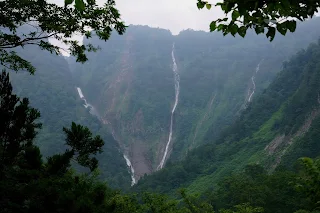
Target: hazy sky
point(175, 15)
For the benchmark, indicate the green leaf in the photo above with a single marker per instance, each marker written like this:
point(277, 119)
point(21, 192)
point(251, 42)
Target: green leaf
point(233, 29)
point(80, 5)
point(221, 27)
point(201, 4)
point(242, 31)
point(213, 26)
point(271, 33)
point(259, 29)
point(67, 2)
point(235, 15)
point(291, 25)
point(282, 28)
point(208, 6)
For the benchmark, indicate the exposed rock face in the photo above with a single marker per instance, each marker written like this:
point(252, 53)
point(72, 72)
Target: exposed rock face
point(279, 145)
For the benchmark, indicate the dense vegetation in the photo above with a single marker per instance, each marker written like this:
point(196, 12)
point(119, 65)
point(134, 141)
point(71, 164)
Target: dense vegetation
point(249, 163)
point(29, 184)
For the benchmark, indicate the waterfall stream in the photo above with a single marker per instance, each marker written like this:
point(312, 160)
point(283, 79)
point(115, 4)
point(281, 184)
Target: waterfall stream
point(253, 89)
point(177, 91)
point(253, 82)
point(129, 164)
point(94, 112)
point(133, 180)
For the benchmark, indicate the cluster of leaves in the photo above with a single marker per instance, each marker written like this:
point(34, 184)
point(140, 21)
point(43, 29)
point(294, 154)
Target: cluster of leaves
point(269, 16)
point(49, 20)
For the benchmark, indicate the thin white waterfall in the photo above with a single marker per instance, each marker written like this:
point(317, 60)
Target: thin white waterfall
point(128, 162)
point(253, 82)
point(92, 109)
point(177, 91)
point(94, 112)
point(133, 179)
point(253, 88)
point(82, 97)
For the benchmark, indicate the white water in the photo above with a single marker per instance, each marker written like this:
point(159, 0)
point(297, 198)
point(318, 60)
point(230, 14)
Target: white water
point(93, 110)
point(177, 91)
point(129, 164)
point(80, 92)
point(253, 83)
point(253, 89)
point(82, 97)
point(133, 180)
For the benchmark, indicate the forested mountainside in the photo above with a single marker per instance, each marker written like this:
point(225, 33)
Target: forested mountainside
point(279, 126)
point(29, 184)
point(131, 83)
point(52, 91)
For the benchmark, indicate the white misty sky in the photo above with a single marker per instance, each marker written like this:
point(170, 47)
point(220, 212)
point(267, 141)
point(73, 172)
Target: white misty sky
point(175, 15)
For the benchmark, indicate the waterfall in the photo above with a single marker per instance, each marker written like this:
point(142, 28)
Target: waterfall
point(129, 164)
point(92, 109)
point(94, 112)
point(253, 82)
point(253, 89)
point(177, 91)
point(82, 97)
point(133, 180)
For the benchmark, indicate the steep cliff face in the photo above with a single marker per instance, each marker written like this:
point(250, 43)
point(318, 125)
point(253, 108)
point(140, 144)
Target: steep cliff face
point(131, 83)
point(279, 126)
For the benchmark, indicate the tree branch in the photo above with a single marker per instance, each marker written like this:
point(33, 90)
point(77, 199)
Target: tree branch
point(24, 41)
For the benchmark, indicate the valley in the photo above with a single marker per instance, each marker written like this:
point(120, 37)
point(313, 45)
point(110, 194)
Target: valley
point(134, 89)
point(158, 97)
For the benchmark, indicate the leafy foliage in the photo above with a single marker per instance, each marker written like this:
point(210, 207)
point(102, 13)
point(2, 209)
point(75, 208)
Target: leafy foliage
point(262, 16)
point(18, 126)
point(48, 20)
point(82, 145)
